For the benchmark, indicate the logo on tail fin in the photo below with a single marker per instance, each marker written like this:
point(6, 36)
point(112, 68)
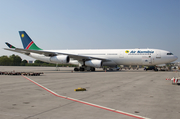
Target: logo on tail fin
point(22, 35)
point(27, 42)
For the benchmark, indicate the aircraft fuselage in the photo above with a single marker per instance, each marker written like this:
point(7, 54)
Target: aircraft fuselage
point(119, 56)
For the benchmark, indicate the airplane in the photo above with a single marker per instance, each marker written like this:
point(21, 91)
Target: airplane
point(89, 59)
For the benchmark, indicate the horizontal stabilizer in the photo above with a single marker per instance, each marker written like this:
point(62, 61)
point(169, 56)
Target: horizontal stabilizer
point(9, 45)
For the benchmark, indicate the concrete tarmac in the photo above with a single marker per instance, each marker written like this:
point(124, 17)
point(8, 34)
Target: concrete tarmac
point(144, 93)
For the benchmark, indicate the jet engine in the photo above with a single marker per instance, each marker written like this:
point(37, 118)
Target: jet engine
point(60, 59)
point(94, 63)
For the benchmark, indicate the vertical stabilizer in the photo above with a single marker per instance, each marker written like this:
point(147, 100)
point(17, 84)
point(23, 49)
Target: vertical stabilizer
point(27, 42)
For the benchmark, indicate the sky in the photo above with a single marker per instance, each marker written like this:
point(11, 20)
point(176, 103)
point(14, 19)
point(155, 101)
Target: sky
point(91, 24)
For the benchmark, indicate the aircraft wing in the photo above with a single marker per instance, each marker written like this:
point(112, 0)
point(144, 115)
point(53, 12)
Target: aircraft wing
point(49, 53)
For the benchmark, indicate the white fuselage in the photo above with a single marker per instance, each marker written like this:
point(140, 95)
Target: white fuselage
point(118, 56)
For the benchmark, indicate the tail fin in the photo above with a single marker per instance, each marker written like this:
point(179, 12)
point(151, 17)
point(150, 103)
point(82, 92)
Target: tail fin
point(27, 42)
point(9, 45)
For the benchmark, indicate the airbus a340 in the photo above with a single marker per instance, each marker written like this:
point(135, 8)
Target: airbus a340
point(90, 59)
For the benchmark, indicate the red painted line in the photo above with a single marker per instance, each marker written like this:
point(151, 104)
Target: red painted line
point(29, 44)
point(83, 102)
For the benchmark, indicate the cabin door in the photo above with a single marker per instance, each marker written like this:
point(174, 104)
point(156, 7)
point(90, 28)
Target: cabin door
point(158, 54)
point(121, 54)
point(146, 60)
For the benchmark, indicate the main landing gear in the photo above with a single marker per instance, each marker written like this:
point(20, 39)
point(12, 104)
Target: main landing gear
point(84, 68)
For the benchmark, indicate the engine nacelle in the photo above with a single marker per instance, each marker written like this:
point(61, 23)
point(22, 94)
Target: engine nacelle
point(94, 63)
point(60, 59)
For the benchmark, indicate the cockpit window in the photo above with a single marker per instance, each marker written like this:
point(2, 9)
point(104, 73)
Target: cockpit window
point(169, 53)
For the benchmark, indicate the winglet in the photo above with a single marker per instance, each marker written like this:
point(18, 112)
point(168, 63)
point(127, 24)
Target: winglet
point(9, 45)
point(27, 42)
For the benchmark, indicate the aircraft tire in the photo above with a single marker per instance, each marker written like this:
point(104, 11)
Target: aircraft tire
point(92, 69)
point(76, 69)
point(81, 69)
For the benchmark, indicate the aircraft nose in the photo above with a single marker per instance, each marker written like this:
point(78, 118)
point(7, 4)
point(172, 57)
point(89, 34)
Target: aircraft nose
point(175, 58)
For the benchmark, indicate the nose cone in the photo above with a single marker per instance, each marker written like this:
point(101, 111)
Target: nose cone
point(175, 58)
point(172, 58)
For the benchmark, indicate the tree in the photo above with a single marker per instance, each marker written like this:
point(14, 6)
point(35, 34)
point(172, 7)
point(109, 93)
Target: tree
point(15, 60)
point(38, 62)
point(5, 61)
point(24, 62)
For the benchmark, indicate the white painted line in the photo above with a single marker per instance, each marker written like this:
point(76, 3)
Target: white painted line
point(87, 103)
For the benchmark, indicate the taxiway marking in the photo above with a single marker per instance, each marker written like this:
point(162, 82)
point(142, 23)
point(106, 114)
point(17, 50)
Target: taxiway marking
point(87, 103)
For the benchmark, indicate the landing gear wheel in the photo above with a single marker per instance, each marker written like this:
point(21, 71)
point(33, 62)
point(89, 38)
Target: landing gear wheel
point(81, 69)
point(76, 69)
point(92, 69)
